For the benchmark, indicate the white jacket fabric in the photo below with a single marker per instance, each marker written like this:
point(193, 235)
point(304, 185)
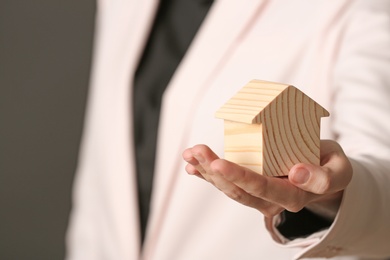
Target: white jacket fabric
point(337, 52)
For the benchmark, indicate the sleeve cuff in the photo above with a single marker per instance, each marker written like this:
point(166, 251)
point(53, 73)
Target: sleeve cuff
point(301, 224)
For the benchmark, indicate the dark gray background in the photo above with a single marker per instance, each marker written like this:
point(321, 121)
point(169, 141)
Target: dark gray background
point(45, 56)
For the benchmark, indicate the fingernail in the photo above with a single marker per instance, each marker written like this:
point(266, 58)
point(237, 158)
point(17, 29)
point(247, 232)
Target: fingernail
point(200, 158)
point(301, 176)
point(187, 159)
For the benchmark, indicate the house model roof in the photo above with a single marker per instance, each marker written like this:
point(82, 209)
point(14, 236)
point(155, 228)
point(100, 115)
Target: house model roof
point(254, 98)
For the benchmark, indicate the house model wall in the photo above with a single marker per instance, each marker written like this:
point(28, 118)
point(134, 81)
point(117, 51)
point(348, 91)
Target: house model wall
point(270, 127)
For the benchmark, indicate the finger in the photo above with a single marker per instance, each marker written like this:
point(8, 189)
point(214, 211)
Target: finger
point(236, 193)
point(199, 157)
point(190, 169)
point(193, 167)
point(204, 156)
point(333, 176)
point(188, 156)
point(278, 191)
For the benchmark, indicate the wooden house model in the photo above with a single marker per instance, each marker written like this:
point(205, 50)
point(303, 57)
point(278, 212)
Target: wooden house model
point(269, 127)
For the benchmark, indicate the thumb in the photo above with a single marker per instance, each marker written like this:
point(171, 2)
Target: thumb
point(317, 179)
point(334, 175)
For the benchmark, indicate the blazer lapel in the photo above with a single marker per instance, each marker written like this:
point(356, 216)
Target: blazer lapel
point(226, 22)
point(120, 39)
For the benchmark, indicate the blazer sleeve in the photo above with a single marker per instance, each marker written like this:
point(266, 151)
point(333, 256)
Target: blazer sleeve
point(361, 123)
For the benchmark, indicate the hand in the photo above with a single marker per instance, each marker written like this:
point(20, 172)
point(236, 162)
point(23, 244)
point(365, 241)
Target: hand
point(319, 188)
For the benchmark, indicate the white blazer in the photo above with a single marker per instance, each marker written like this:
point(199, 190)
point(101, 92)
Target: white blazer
point(337, 52)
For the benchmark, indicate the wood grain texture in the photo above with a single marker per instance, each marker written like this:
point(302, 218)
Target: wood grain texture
point(270, 127)
point(243, 144)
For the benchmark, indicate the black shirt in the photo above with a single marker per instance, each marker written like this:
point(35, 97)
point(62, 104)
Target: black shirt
point(175, 25)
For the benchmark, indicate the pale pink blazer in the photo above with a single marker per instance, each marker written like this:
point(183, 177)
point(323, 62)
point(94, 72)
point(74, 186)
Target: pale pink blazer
point(336, 51)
